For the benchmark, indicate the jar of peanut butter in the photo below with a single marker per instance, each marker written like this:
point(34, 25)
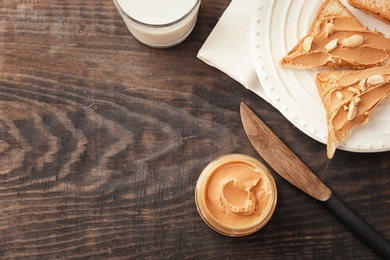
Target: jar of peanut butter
point(235, 195)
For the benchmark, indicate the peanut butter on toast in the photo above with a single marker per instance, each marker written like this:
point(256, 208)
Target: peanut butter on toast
point(337, 39)
point(349, 97)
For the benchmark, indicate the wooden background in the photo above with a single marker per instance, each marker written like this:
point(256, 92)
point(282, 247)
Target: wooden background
point(102, 140)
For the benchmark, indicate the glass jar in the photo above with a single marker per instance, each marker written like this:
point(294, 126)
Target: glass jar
point(236, 195)
point(159, 23)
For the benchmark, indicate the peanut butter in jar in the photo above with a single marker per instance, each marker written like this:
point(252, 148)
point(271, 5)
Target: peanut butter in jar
point(236, 195)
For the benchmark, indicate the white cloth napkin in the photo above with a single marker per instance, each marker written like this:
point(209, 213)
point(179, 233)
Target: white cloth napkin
point(228, 46)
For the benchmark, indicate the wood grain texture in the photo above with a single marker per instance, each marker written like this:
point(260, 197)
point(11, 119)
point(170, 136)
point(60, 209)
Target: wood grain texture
point(280, 158)
point(102, 140)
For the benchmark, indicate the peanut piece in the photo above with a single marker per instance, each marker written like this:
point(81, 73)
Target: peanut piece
point(354, 90)
point(307, 43)
point(375, 79)
point(330, 46)
point(353, 41)
point(339, 95)
point(329, 29)
point(362, 85)
point(352, 111)
point(357, 100)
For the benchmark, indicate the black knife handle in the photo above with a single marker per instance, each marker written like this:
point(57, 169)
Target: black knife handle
point(359, 227)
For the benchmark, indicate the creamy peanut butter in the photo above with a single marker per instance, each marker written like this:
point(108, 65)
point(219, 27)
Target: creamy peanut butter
point(350, 97)
point(235, 194)
point(339, 41)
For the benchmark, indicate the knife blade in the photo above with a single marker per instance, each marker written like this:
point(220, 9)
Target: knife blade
point(291, 168)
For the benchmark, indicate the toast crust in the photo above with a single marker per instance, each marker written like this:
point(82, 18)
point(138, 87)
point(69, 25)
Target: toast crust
point(380, 9)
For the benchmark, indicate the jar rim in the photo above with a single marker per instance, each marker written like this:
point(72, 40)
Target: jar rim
point(211, 220)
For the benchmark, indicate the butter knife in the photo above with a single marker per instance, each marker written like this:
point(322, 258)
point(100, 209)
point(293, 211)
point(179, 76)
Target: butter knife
point(291, 168)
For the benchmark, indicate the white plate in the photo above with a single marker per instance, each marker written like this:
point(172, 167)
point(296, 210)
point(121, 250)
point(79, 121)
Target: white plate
point(277, 27)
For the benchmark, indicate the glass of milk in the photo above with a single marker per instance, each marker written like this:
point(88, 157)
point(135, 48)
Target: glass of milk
point(159, 23)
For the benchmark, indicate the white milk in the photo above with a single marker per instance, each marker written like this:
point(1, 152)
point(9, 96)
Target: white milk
point(159, 23)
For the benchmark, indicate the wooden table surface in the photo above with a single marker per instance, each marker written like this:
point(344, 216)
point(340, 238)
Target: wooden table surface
point(102, 141)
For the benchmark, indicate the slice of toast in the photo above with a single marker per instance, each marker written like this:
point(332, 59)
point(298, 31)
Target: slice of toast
point(337, 39)
point(377, 8)
point(349, 97)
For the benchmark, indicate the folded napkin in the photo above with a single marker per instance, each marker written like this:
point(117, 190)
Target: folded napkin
point(228, 46)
